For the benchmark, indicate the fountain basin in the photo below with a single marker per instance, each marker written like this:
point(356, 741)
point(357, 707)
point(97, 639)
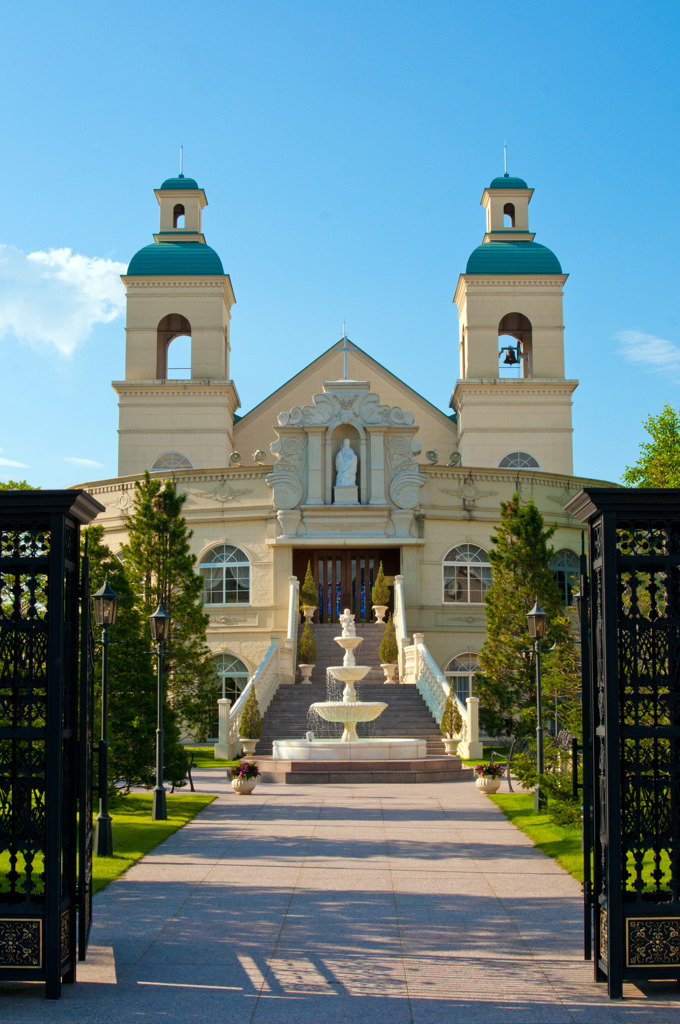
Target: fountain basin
point(383, 748)
point(349, 713)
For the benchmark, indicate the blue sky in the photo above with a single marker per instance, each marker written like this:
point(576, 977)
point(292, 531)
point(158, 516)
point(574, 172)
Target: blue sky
point(343, 148)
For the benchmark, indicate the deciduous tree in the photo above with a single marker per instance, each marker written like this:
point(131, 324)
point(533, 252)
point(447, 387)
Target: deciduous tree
point(659, 461)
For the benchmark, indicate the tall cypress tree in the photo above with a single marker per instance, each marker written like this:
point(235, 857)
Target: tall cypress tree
point(520, 575)
point(160, 567)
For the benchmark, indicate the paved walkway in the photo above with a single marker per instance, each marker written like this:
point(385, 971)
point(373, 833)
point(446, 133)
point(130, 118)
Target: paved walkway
point(362, 904)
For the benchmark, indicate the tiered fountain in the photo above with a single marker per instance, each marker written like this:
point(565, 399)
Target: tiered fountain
point(349, 711)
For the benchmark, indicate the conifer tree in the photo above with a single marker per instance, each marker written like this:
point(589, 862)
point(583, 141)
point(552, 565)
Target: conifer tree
point(160, 567)
point(132, 682)
point(520, 575)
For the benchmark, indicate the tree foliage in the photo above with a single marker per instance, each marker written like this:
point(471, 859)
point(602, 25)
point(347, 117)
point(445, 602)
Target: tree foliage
point(452, 720)
point(17, 485)
point(160, 567)
point(389, 651)
point(307, 646)
point(520, 575)
point(132, 682)
point(380, 594)
point(659, 461)
point(308, 593)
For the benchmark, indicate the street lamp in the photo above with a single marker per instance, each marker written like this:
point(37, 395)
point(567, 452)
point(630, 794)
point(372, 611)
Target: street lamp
point(160, 631)
point(105, 610)
point(538, 625)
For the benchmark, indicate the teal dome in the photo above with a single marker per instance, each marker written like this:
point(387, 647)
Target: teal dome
point(512, 258)
point(180, 182)
point(175, 259)
point(505, 181)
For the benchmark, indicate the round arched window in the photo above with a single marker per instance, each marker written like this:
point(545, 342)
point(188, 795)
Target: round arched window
point(226, 575)
point(232, 677)
point(171, 460)
point(466, 574)
point(519, 460)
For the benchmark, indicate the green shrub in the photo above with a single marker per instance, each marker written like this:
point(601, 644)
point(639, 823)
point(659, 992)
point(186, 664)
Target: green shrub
point(380, 593)
point(389, 651)
point(250, 726)
point(452, 720)
point(308, 592)
point(306, 647)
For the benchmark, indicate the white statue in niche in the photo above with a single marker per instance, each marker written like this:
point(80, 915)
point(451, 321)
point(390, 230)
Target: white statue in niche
point(346, 466)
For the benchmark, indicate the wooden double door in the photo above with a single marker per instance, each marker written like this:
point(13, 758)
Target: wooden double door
point(344, 578)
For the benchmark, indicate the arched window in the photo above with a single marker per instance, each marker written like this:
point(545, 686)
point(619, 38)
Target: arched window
point(515, 345)
point(178, 216)
point(519, 460)
point(467, 574)
point(178, 367)
point(565, 569)
point(509, 212)
point(460, 673)
point(226, 574)
point(171, 460)
point(232, 677)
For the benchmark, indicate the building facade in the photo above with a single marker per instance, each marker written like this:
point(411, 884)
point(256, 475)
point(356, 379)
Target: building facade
point(265, 495)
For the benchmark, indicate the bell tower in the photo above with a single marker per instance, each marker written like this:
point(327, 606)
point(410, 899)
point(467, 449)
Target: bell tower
point(177, 292)
point(512, 397)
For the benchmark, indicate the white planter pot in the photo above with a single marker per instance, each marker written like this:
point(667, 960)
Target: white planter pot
point(389, 671)
point(305, 672)
point(451, 746)
point(308, 611)
point(243, 787)
point(487, 783)
point(380, 610)
point(248, 745)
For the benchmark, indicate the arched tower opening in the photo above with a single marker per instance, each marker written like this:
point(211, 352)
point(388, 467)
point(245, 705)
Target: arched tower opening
point(515, 346)
point(509, 215)
point(178, 216)
point(174, 329)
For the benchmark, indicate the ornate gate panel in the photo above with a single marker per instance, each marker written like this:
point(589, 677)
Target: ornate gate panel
point(633, 721)
point(40, 760)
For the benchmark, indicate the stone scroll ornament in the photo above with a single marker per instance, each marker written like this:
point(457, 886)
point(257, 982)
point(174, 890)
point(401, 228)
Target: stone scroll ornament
point(360, 406)
point(286, 478)
point(406, 479)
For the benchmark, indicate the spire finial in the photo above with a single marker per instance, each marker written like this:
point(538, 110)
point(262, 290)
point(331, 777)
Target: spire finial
point(181, 160)
point(505, 158)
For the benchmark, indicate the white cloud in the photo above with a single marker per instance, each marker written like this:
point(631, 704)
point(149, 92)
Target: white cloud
point(55, 298)
point(656, 355)
point(11, 462)
point(82, 462)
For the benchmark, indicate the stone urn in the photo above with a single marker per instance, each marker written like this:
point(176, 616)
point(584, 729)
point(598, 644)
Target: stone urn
point(451, 746)
point(487, 783)
point(248, 745)
point(308, 611)
point(389, 670)
point(380, 612)
point(305, 672)
point(243, 787)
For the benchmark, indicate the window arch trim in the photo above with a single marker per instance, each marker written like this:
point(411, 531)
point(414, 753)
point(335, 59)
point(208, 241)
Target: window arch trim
point(466, 574)
point(519, 460)
point(225, 569)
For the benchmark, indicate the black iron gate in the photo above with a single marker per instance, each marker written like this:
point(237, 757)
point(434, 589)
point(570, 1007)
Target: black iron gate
point(45, 714)
point(632, 731)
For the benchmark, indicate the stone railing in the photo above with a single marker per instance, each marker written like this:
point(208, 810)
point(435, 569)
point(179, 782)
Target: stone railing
point(399, 619)
point(293, 618)
point(421, 669)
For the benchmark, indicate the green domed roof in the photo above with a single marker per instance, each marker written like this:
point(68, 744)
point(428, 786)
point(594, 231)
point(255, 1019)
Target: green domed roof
point(180, 182)
point(505, 181)
point(512, 258)
point(175, 259)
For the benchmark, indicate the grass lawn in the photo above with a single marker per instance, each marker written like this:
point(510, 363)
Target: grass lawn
point(559, 841)
point(135, 834)
point(204, 757)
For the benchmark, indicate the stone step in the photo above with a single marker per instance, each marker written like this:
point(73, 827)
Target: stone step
point(426, 769)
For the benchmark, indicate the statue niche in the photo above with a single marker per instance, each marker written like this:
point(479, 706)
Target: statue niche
point(346, 491)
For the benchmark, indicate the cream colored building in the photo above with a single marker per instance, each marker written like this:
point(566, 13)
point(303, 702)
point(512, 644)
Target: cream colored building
point(261, 492)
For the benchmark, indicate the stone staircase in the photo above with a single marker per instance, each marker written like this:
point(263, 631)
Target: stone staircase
point(406, 713)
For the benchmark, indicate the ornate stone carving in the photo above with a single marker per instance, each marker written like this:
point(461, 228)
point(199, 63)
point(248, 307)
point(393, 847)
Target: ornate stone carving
point(360, 405)
point(286, 479)
point(406, 478)
point(468, 493)
point(229, 494)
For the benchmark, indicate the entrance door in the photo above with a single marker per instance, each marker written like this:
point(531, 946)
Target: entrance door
point(344, 578)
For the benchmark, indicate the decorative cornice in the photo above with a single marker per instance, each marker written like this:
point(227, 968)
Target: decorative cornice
point(174, 282)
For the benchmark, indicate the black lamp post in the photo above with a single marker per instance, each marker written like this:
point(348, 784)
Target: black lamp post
point(538, 625)
point(105, 610)
point(160, 631)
